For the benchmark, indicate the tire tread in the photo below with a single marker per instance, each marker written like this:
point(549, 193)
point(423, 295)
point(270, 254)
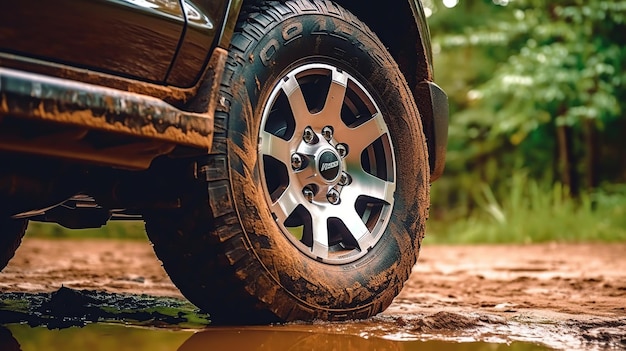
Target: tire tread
point(210, 239)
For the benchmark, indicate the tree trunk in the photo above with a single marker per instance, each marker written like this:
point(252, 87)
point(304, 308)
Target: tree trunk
point(567, 159)
point(592, 152)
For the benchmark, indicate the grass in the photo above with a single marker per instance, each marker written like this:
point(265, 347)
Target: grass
point(113, 229)
point(532, 213)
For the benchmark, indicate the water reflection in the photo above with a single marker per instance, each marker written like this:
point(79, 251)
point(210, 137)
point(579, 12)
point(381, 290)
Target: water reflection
point(117, 337)
point(7, 341)
point(269, 339)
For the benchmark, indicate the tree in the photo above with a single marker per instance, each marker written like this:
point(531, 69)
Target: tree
point(563, 82)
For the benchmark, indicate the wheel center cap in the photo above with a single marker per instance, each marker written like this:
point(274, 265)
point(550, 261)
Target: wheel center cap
point(328, 165)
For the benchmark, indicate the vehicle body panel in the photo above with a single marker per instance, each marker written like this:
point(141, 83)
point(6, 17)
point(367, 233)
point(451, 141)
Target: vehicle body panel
point(132, 38)
point(203, 19)
point(158, 41)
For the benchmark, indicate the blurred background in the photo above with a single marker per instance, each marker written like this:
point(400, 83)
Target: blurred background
point(537, 141)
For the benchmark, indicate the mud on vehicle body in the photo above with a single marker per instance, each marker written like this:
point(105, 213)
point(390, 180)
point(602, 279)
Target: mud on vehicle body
point(279, 152)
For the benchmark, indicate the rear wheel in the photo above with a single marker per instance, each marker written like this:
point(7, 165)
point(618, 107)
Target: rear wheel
point(318, 194)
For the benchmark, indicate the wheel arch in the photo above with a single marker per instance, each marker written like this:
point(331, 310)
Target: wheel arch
point(401, 26)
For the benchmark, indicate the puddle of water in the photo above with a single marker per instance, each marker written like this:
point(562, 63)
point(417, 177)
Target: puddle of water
point(92, 337)
point(118, 337)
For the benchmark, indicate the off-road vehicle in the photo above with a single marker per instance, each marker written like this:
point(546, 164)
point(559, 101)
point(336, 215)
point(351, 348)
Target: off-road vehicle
point(279, 152)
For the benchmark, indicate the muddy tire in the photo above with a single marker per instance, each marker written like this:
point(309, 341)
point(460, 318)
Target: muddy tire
point(318, 191)
point(11, 234)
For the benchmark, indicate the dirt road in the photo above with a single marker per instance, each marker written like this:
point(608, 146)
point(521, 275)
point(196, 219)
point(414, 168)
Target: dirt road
point(564, 296)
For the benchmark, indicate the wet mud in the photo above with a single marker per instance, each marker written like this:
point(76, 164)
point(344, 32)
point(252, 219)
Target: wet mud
point(565, 297)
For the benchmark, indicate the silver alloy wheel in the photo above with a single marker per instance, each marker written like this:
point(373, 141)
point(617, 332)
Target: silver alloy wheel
point(328, 163)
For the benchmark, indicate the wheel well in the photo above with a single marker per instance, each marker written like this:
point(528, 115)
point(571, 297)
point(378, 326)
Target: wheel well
point(394, 24)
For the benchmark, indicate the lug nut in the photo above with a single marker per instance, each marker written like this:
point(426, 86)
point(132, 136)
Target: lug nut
point(327, 132)
point(333, 197)
point(308, 194)
point(342, 150)
point(309, 136)
point(345, 179)
point(296, 162)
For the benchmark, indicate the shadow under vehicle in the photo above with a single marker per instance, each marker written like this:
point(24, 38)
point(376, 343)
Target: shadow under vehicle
point(279, 152)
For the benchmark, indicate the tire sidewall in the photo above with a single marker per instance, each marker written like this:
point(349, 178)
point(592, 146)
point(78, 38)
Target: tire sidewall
point(329, 39)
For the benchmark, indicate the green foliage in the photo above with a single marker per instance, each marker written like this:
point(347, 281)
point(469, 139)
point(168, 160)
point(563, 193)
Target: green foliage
point(113, 229)
point(570, 66)
point(517, 76)
point(532, 212)
point(564, 63)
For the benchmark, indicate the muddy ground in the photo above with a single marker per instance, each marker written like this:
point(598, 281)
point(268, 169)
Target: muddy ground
point(564, 296)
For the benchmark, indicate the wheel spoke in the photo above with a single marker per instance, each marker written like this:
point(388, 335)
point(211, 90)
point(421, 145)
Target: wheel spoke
point(355, 225)
point(274, 146)
point(286, 204)
point(363, 135)
point(335, 97)
point(296, 98)
point(368, 185)
point(320, 236)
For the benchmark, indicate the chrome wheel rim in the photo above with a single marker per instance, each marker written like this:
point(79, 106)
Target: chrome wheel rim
point(327, 163)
